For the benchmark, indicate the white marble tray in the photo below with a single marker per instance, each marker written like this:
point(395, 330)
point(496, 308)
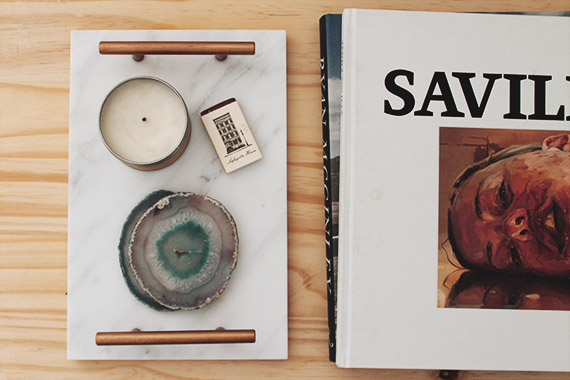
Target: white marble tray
point(102, 191)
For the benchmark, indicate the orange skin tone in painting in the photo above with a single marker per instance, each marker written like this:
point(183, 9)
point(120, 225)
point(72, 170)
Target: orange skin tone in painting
point(488, 290)
point(514, 215)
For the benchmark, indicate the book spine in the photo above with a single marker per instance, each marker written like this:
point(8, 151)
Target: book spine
point(344, 265)
point(325, 121)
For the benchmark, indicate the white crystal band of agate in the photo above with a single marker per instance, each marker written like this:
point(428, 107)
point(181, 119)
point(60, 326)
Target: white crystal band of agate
point(144, 123)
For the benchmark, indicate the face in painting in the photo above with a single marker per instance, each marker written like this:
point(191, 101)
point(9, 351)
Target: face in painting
point(514, 215)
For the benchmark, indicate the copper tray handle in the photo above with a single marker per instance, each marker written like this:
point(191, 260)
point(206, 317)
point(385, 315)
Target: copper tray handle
point(174, 337)
point(138, 49)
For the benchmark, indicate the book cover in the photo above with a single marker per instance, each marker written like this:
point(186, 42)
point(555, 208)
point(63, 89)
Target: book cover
point(330, 33)
point(454, 194)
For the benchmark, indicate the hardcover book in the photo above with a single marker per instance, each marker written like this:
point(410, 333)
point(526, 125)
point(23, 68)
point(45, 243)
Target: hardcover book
point(454, 208)
point(330, 31)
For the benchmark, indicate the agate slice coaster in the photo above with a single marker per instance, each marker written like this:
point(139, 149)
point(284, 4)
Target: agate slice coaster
point(178, 250)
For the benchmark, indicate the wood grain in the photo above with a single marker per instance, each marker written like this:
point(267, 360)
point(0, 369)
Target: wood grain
point(34, 88)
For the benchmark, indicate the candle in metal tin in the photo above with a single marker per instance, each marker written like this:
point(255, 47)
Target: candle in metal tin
point(144, 123)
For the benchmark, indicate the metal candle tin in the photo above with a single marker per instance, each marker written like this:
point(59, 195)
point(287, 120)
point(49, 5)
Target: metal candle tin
point(168, 158)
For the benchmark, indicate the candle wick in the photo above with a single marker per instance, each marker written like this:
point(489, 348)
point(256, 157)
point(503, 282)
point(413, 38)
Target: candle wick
point(144, 119)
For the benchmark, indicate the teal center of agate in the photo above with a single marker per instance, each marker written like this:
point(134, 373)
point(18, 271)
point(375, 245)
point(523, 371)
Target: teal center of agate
point(183, 250)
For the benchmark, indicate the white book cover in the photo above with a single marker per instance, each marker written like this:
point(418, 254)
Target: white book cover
point(455, 192)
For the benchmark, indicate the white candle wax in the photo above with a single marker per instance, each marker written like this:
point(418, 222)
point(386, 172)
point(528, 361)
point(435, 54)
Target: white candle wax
point(143, 120)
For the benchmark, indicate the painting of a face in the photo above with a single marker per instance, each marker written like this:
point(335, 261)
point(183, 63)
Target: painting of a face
point(514, 215)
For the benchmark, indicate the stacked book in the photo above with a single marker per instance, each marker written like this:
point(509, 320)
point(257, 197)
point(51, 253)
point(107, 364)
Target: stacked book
point(447, 189)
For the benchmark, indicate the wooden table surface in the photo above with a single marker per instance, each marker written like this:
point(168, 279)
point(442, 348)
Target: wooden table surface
point(34, 98)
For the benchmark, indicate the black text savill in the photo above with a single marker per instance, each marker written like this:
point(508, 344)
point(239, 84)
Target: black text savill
point(439, 90)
